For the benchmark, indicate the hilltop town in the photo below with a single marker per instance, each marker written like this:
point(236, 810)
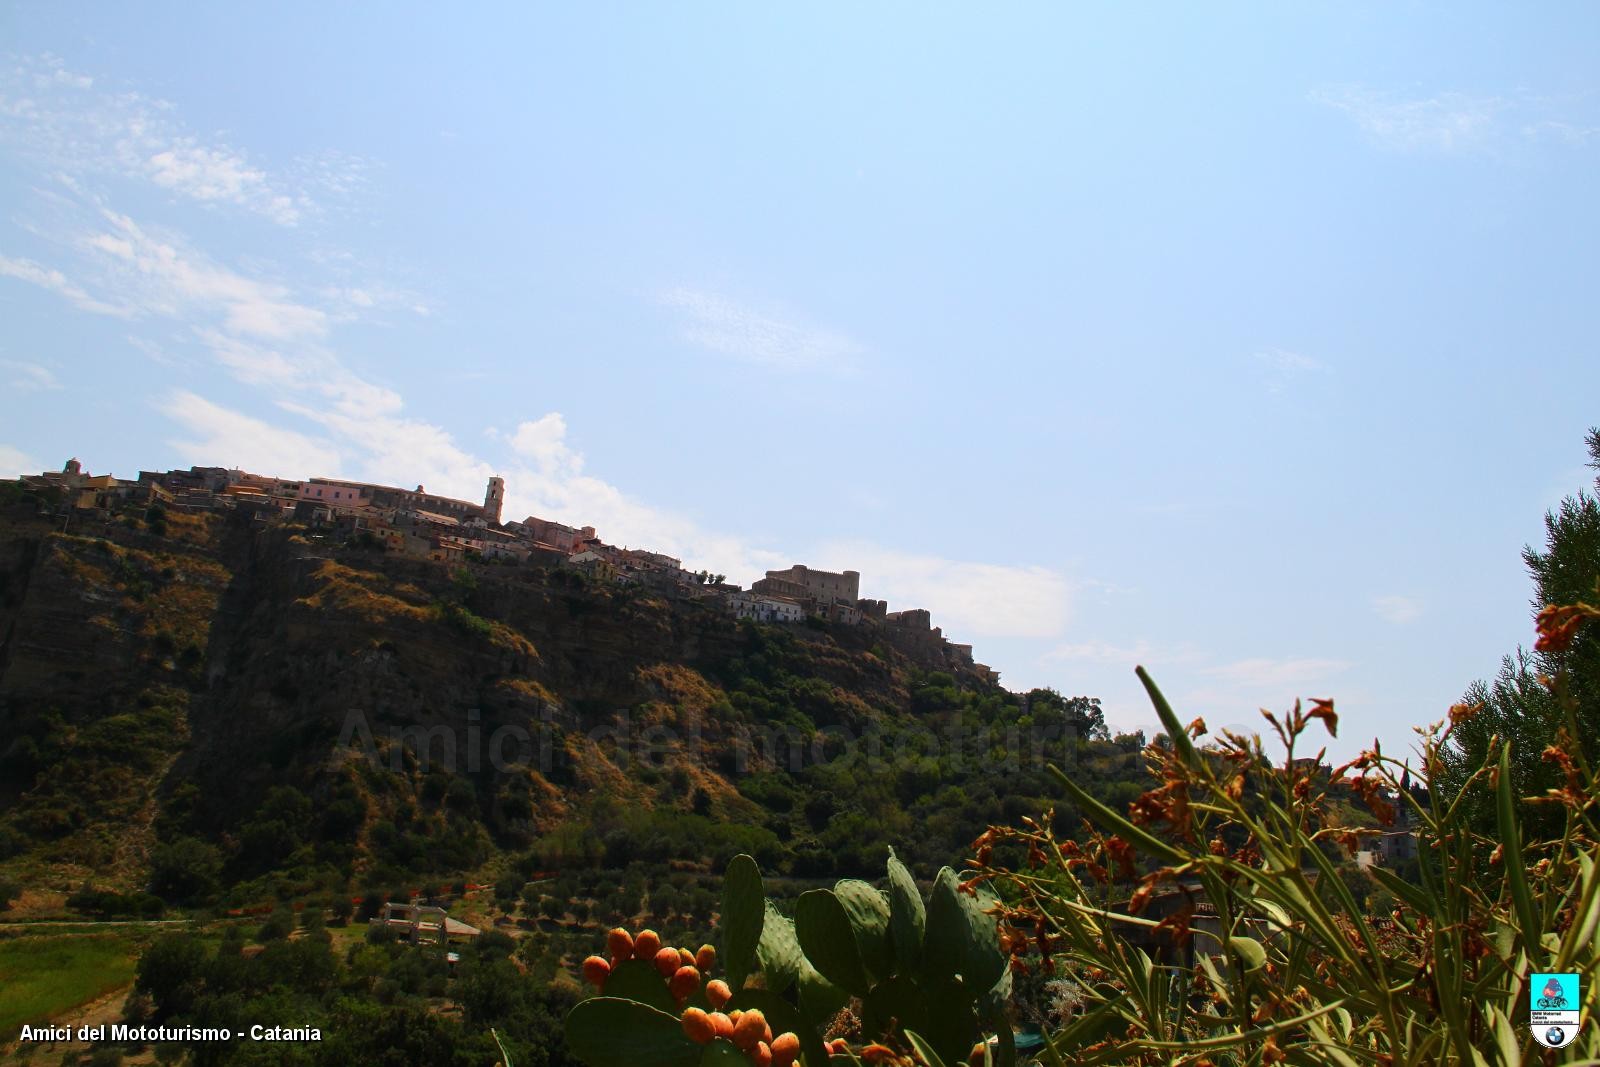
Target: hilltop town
point(421, 525)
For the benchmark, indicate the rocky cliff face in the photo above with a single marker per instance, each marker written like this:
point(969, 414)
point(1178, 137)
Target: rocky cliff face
point(152, 686)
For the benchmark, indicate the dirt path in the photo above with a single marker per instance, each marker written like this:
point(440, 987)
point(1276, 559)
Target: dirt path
point(102, 1011)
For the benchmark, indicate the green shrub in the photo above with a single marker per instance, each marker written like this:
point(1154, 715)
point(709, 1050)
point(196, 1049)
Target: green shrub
point(1240, 941)
point(185, 871)
point(108, 904)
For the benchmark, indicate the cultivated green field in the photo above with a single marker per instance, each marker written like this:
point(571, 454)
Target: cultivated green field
point(42, 977)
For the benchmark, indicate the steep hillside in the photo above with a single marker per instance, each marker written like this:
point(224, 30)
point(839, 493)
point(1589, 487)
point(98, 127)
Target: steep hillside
point(227, 707)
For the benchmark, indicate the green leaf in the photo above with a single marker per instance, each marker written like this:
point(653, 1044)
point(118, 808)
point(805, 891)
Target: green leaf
point(1586, 923)
point(1516, 868)
point(1276, 915)
point(1004, 1038)
point(907, 917)
point(923, 1049)
point(894, 1004)
point(823, 927)
point(1327, 1047)
point(778, 952)
point(1411, 894)
point(1176, 731)
point(1249, 951)
point(961, 939)
point(1087, 1029)
point(868, 910)
point(505, 1057)
point(997, 996)
point(744, 910)
point(640, 981)
point(820, 999)
point(952, 1022)
point(611, 1032)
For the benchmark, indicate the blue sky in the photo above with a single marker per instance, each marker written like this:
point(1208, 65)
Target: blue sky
point(1248, 344)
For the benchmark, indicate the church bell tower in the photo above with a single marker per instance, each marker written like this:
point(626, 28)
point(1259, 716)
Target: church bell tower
point(494, 499)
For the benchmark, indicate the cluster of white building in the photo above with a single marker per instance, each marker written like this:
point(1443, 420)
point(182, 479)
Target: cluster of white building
point(414, 522)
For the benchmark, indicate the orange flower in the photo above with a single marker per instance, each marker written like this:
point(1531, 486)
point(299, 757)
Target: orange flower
point(1323, 709)
point(1177, 924)
point(1558, 625)
point(1122, 856)
point(1140, 899)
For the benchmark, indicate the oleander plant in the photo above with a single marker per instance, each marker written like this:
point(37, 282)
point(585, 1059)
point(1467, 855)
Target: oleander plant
point(1259, 951)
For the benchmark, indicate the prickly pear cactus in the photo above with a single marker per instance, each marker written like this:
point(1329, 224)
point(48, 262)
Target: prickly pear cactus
point(929, 975)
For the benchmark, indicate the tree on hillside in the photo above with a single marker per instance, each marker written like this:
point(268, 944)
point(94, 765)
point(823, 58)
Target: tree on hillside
point(1518, 704)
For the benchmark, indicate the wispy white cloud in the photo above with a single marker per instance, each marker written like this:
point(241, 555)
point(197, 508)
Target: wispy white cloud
point(1443, 122)
point(1454, 122)
point(1100, 652)
point(1574, 134)
point(546, 477)
point(159, 275)
point(1139, 653)
point(1266, 674)
point(67, 120)
point(544, 441)
point(14, 461)
point(967, 598)
point(27, 377)
point(1283, 367)
point(49, 278)
point(137, 273)
point(721, 325)
point(1229, 694)
point(222, 436)
point(219, 174)
point(1279, 359)
point(1397, 609)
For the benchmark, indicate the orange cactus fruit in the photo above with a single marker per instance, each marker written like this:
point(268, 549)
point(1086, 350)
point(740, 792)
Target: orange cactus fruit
point(683, 983)
point(646, 945)
point(761, 1055)
point(596, 970)
point(838, 1047)
point(685, 958)
point(706, 958)
point(785, 1049)
point(620, 944)
point(877, 1053)
point(749, 1029)
point(666, 962)
point(718, 993)
point(975, 1057)
point(698, 1027)
point(721, 1025)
